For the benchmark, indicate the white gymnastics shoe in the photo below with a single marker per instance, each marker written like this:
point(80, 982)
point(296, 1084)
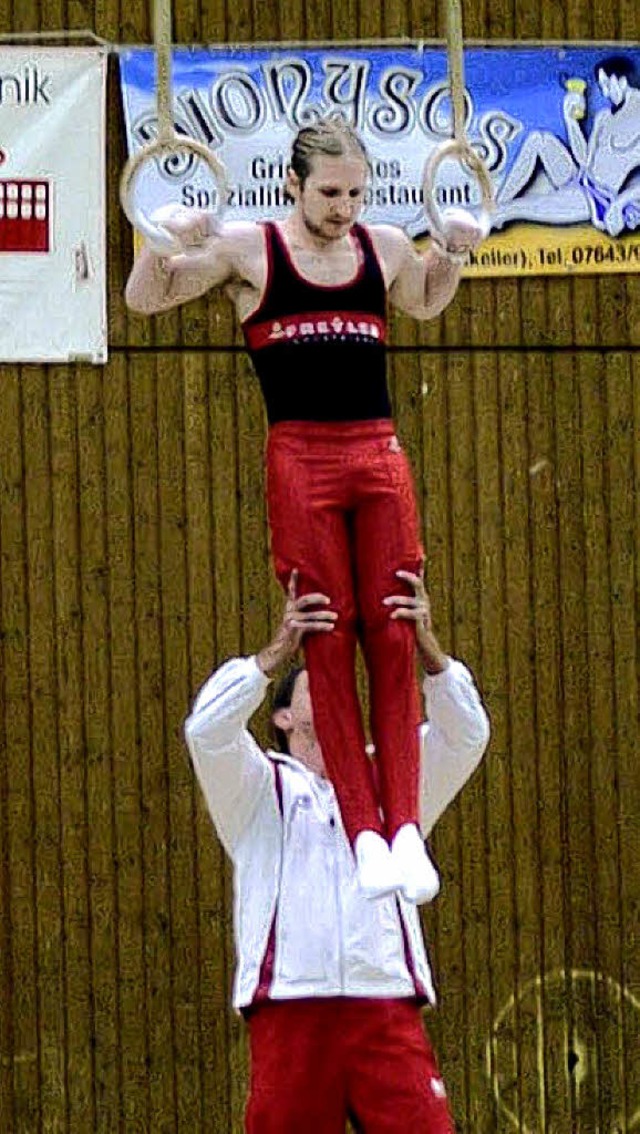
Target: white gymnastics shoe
point(420, 881)
point(376, 869)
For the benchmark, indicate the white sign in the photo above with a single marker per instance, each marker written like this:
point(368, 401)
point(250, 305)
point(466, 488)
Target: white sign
point(52, 204)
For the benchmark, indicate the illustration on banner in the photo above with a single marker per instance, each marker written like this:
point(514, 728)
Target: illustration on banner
point(594, 177)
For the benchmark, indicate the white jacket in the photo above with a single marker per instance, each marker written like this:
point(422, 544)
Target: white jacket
point(294, 873)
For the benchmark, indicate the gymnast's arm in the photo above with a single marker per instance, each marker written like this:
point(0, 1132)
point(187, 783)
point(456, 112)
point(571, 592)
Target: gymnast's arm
point(423, 284)
point(214, 255)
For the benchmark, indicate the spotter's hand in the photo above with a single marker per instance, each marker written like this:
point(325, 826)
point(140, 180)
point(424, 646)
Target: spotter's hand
point(301, 616)
point(417, 608)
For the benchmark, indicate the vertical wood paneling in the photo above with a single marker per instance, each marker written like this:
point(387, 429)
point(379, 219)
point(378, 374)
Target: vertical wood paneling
point(127, 802)
point(498, 977)
point(602, 802)
point(463, 490)
point(498, 780)
point(210, 975)
point(51, 984)
point(628, 683)
point(6, 801)
point(575, 795)
point(226, 532)
point(149, 611)
point(542, 474)
point(67, 567)
point(441, 919)
point(98, 742)
point(24, 1054)
point(134, 558)
point(624, 447)
point(515, 463)
point(180, 787)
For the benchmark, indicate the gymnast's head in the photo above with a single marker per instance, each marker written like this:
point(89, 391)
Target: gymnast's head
point(327, 177)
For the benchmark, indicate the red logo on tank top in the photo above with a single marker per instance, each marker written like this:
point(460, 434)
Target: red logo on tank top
point(317, 326)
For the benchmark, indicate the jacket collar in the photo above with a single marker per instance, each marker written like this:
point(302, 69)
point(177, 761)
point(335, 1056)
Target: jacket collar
point(298, 766)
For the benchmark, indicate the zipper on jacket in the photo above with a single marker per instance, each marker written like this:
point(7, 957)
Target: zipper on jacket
point(337, 891)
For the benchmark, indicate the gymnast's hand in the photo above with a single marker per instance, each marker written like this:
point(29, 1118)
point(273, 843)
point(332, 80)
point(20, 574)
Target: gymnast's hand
point(194, 231)
point(462, 232)
point(300, 617)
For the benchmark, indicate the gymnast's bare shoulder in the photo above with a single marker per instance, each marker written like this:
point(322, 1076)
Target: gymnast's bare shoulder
point(392, 246)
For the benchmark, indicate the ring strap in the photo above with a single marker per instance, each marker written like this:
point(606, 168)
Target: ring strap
point(455, 57)
point(457, 147)
point(166, 142)
point(162, 34)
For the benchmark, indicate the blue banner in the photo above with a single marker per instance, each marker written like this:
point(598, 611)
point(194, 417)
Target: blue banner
point(558, 129)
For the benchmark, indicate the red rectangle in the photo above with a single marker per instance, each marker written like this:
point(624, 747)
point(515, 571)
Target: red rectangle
point(24, 215)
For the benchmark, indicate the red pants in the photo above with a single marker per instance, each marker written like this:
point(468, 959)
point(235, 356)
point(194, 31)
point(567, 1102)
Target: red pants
point(315, 1063)
point(342, 510)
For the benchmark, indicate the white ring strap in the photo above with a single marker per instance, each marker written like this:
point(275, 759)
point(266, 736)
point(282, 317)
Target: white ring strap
point(167, 143)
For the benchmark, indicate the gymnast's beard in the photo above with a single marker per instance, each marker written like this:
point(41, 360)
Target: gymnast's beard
point(327, 231)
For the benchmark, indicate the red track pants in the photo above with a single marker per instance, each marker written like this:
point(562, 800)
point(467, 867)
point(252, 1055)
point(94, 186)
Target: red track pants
point(342, 510)
point(315, 1063)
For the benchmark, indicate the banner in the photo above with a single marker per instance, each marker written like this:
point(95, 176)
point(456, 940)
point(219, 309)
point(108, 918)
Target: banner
point(558, 128)
point(52, 204)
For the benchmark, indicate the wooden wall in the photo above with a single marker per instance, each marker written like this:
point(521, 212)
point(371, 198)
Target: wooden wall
point(133, 558)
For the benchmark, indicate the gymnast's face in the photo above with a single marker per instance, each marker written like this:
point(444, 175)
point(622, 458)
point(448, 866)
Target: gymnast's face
point(330, 199)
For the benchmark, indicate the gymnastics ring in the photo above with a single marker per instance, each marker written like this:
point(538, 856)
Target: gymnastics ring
point(167, 142)
point(157, 236)
point(457, 146)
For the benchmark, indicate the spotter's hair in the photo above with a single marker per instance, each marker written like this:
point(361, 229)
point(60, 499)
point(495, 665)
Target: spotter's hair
point(282, 700)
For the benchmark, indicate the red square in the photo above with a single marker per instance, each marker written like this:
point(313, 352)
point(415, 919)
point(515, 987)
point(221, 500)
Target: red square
point(24, 215)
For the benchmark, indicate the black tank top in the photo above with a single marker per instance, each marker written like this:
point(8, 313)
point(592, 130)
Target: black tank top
point(319, 352)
